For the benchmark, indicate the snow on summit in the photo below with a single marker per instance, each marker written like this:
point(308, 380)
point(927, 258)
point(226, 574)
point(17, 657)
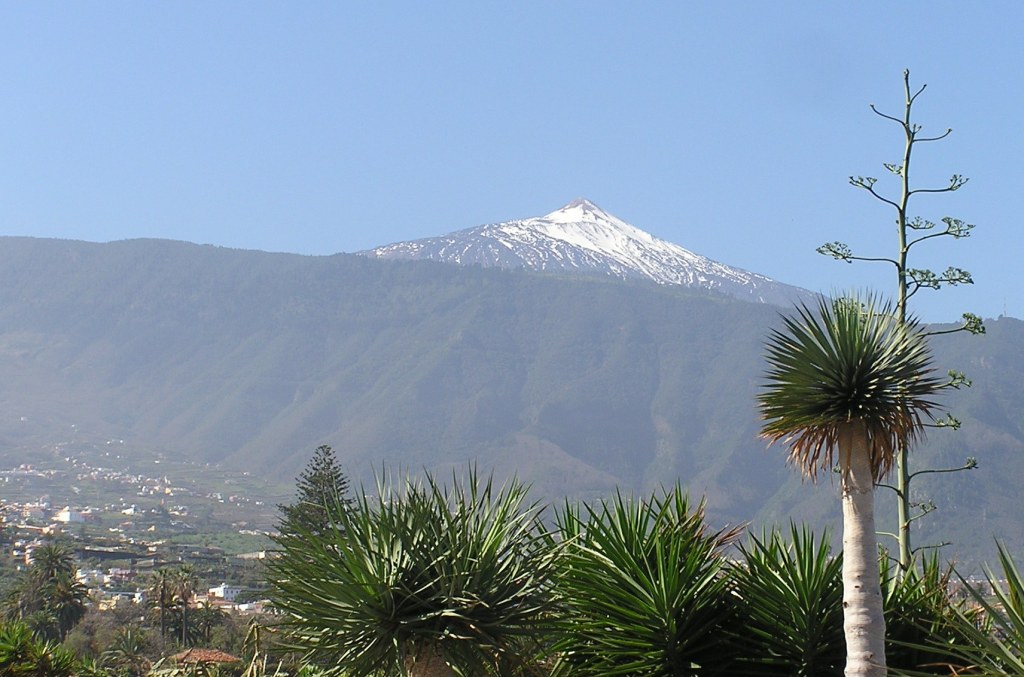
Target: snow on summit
point(583, 238)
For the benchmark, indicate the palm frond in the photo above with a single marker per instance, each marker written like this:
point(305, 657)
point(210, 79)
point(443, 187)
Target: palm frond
point(643, 589)
point(923, 622)
point(790, 600)
point(849, 361)
point(994, 643)
point(460, 569)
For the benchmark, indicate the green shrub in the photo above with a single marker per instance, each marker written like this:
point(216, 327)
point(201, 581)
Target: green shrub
point(22, 654)
point(643, 589)
point(922, 621)
point(458, 573)
point(990, 633)
point(790, 597)
point(789, 606)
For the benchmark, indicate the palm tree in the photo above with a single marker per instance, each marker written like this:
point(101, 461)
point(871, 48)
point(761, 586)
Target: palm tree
point(183, 583)
point(65, 598)
point(49, 598)
point(847, 385)
point(127, 653)
point(52, 560)
point(207, 617)
point(160, 594)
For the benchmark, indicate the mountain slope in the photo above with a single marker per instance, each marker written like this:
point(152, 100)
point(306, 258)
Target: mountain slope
point(582, 238)
point(578, 385)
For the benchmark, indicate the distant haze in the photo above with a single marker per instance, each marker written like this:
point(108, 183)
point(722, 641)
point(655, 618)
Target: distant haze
point(729, 129)
point(579, 384)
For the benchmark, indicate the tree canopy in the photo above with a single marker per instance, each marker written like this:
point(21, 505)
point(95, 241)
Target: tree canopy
point(320, 486)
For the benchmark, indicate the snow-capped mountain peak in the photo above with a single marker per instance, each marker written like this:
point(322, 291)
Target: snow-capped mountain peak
point(583, 238)
point(584, 224)
point(581, 210)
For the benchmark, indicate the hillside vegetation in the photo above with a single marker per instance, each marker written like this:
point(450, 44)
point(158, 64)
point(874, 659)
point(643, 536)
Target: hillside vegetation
point(578, 385)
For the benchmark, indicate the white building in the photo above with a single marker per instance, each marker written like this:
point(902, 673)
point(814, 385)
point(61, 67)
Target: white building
point(68, 515)
point(226, 592)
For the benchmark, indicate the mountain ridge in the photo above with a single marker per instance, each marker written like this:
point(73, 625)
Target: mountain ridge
point(582, 238)
point(581, 386)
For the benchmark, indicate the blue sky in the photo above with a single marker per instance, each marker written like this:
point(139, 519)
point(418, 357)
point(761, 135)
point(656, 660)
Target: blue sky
point(729, 128)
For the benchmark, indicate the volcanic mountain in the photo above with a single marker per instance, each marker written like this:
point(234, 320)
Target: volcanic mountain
point(580, 386)
point(582, 238)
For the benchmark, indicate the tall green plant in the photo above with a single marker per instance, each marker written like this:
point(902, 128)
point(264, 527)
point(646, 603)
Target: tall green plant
point(790, 599)
point(912, 231)
point(48, 596)
point(206, 617)
point(995, 645)
point(126, 655)
point(922, 620)
point(24, 655)
point(420, 579)
point(790, 602)
point(844, 387)
point(183, 583)
point(160, 596)
point(643, 589)
point(320, 485)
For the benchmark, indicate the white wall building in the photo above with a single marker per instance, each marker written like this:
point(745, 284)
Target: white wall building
point(226, 592)
point(68, 515)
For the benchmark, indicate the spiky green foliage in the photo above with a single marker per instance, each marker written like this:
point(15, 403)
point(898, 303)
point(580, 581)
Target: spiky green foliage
point(994, 644)
point(643, 588)
point(48, 597)
point(126, 656)
point(922, 620)
point(852, 360)
point(24, 655)
point(463, 570)
point(790, 599)
point(88, 667)
point(160, 596)
point(184, 582)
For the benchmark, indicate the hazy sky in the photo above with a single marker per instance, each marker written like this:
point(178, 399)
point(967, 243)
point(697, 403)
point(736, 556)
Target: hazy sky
point(729, 128)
